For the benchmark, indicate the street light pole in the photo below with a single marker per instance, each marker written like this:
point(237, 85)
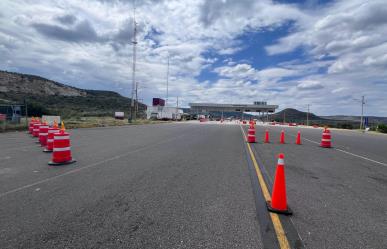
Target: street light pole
point(307, 117)
point(362, 112)
point(132, 111)
point(166, 100)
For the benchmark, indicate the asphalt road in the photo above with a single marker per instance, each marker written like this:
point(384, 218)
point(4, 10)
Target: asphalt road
point(339, 199)
point(189, 186)
point(151, 186)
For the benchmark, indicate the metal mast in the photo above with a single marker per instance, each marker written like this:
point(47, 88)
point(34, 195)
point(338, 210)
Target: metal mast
point(362, 111)
point(166, 100)
point(132, 114)
point(307, 117)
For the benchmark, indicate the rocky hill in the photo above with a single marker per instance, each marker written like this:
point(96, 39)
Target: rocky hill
point(293, 115)
point(45, 96)
point(340, 121)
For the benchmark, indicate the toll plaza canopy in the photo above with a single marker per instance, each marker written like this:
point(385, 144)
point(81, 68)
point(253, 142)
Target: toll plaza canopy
point(260, 107)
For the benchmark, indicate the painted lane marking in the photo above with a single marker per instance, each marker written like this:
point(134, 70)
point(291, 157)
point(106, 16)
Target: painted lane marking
point(86, 167)
point(347, 152)
point(280, 233)
point(362, 157)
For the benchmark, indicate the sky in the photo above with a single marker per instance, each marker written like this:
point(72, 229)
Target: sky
point(291, 53)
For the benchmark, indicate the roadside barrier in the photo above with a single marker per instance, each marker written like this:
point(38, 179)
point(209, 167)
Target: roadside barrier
point(282, 137)
point(50, 137)
point(267, 139)
point(61, 154)
point(298, 139)
point(278, 203)
point(326, 139)
point(43, 133)
point(35, 131)
point(31, 125)
point(251, 135)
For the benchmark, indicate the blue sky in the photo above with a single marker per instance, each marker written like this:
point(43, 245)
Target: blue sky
point(291, 53)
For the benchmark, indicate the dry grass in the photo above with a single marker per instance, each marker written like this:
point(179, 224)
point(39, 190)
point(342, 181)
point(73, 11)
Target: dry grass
point(84, 122)
point(89, 122)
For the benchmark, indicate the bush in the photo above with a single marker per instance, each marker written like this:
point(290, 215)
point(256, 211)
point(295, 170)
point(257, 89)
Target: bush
point(382, 128)
point(345, 126)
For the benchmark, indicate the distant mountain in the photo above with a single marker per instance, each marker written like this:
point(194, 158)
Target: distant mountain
point(341, 121)
point(45, 96)
point(292, 115)
point(372, 119)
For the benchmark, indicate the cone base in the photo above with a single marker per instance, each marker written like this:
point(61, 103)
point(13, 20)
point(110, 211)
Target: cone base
point(327, 147)
point(46, 150)
point(273, 210)
point(51, 163)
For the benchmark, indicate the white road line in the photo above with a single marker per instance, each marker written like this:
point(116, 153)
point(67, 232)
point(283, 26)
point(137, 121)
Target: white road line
point(346, 152)
point(363, 157)
point(86, 167)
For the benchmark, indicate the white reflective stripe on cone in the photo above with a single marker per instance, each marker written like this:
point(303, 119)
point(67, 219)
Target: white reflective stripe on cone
point(50, 140)
point(44, 127)
point(325, 140)
point(281, 162)
point(43, 134)
point(53, 131)
point(61, 137)
point(61, 149)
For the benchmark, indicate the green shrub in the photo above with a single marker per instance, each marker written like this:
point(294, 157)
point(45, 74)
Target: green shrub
point(345, 126)
point(382, 128)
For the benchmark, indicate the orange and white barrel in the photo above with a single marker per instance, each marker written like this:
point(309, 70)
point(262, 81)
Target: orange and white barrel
point(251, 138)
point(43, 133)
point(35, 130)
point(61, 152)
point(31, 126)
point(326, 140)
point(50, 139)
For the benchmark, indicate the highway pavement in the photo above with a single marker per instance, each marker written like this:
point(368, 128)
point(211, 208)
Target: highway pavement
point(192, 185)
point(338, 195)
point(151, 186)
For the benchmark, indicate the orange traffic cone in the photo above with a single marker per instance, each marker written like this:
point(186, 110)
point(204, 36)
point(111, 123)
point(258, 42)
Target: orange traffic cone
point(326, 139)
point(278, 203)
point(282, 138)
point(251, 131)
point(267, 139)
point(298, 139)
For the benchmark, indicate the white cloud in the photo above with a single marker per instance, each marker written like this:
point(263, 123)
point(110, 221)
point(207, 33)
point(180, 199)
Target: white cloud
point(87, 44)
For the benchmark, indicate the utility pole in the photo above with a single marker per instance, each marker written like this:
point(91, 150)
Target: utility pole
point(284, 117)
point(132, 112)
point(307, 117)
point(166, 99)
point(362, 112)
point(136, 111)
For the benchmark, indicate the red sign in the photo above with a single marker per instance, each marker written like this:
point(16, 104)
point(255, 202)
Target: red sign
point(2, 117)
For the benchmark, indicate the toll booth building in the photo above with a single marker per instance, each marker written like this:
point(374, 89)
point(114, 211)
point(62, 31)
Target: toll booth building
point(259, 107)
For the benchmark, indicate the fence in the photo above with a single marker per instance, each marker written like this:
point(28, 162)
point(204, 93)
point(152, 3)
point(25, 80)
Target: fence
point(13, 117)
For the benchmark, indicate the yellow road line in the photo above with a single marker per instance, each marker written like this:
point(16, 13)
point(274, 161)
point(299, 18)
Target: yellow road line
point(280, 233)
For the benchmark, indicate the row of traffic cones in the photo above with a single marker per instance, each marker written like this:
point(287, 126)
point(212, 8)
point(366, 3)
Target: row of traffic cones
point(53, 140)
point(251, 136)
point(326, 141)
point(278, 202)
